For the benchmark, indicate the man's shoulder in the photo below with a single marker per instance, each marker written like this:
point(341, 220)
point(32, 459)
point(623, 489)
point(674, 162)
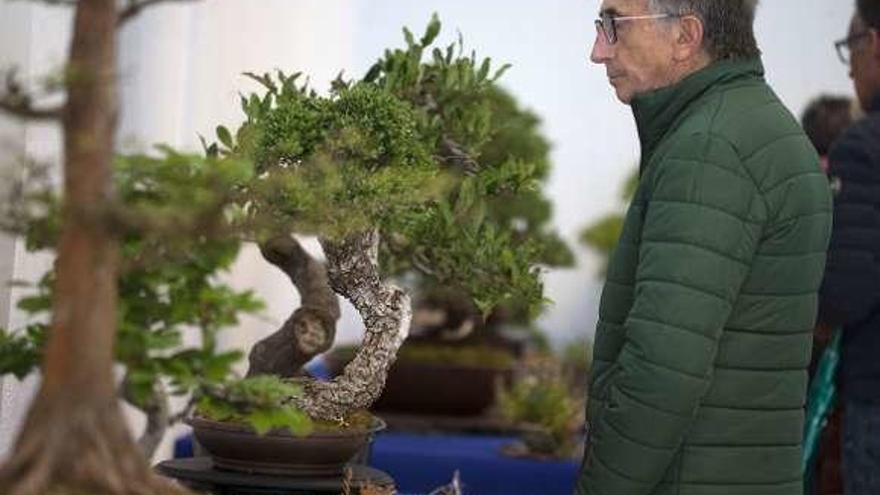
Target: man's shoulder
point(864, 134)
point(748, 116)
point(746, 129)
point(751, 115)
point(858, 148)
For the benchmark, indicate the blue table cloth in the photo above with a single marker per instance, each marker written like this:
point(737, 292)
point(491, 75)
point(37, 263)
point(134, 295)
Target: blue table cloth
point(420, 463)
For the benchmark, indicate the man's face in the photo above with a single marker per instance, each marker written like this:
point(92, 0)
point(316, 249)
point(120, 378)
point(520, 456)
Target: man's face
point(641, 60)
point(864, 65)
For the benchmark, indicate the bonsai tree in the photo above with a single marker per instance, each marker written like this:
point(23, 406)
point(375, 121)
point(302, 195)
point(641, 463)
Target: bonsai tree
point(383, 165)
point(387, 165)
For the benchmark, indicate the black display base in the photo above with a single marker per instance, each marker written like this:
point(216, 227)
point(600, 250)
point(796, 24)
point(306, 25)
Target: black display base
point(199, 473)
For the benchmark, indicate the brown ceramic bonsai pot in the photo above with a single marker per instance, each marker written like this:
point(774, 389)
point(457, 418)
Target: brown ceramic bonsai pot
point(237, 447)
point(436, 389)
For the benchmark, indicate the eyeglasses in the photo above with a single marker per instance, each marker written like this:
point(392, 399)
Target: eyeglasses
point(844, 47)
point(606, 24)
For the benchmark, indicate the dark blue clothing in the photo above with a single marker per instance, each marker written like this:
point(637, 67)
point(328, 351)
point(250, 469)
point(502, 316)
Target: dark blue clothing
point(850, 294)
point(861, 448)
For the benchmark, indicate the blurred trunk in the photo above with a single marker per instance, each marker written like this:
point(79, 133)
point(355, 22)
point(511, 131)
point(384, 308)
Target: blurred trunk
point(75, 439)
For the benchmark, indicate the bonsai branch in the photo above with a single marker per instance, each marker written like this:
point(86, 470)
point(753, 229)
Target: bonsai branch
point(22, 109)
point(17, 101)
point(455, 154)
point(64, 3)
point(157, 410)
point(310, 330)
point(134, 7)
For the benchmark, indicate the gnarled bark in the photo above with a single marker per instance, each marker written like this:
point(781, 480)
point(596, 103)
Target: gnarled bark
point(312, 327)
point(353, 271)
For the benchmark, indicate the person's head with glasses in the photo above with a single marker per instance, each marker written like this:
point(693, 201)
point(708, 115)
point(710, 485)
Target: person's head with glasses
point(650, 44)
point(860, 50)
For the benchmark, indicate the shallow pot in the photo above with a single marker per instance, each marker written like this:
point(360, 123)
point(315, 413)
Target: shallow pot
point(237, 447)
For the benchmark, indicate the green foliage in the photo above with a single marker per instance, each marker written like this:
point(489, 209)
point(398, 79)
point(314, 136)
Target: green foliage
point(373, 154)
point(169, 281)
point(499, 214)
point(262, 402)
point(545, 403)
point(449, 90)
point(21, 353)
point(331, 165)
point(603, 234)
point(578, 354)
point(479, 257)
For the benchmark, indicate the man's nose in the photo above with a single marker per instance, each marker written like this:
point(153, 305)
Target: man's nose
point(602, 50)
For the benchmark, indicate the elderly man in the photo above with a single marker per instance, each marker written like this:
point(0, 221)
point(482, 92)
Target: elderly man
point(850, 295)
point(707, 315)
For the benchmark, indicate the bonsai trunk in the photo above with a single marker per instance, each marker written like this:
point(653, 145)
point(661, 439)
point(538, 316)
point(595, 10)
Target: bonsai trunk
point(353, 271)
point(74, 439)
point(312, 327)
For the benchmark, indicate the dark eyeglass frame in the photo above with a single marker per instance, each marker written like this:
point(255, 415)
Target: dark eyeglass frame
point(606, 24)
point(844, 45)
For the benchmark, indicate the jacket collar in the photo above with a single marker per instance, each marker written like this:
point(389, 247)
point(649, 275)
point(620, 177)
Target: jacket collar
point(656, 111)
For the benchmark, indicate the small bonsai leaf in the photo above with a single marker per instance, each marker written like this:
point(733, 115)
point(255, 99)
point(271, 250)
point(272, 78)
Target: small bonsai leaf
point(224, 136)
point(500, 72)
point(431, 31)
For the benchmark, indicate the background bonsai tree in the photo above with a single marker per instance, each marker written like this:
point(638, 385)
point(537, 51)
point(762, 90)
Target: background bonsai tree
point(380, 165)
point(602, 235)
point(445, 313)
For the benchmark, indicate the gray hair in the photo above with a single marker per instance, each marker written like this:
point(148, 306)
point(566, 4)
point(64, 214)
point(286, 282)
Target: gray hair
point(728, 24)
point(869, 11)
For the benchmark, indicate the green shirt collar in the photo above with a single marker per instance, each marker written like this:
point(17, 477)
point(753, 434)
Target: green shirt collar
point(656, 111)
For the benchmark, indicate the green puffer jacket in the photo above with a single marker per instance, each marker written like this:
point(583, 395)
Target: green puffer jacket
point(704, 333)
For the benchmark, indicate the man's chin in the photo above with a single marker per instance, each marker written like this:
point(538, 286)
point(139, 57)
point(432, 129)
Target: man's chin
point(623, 95)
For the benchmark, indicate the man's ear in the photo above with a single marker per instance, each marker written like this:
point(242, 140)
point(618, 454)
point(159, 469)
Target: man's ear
point(689, 42)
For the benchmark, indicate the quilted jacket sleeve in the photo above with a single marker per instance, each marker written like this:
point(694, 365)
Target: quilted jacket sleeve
point(851, 287)
point(699, 237)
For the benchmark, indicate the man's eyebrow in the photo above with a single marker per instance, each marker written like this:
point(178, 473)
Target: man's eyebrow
point(612, 11)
